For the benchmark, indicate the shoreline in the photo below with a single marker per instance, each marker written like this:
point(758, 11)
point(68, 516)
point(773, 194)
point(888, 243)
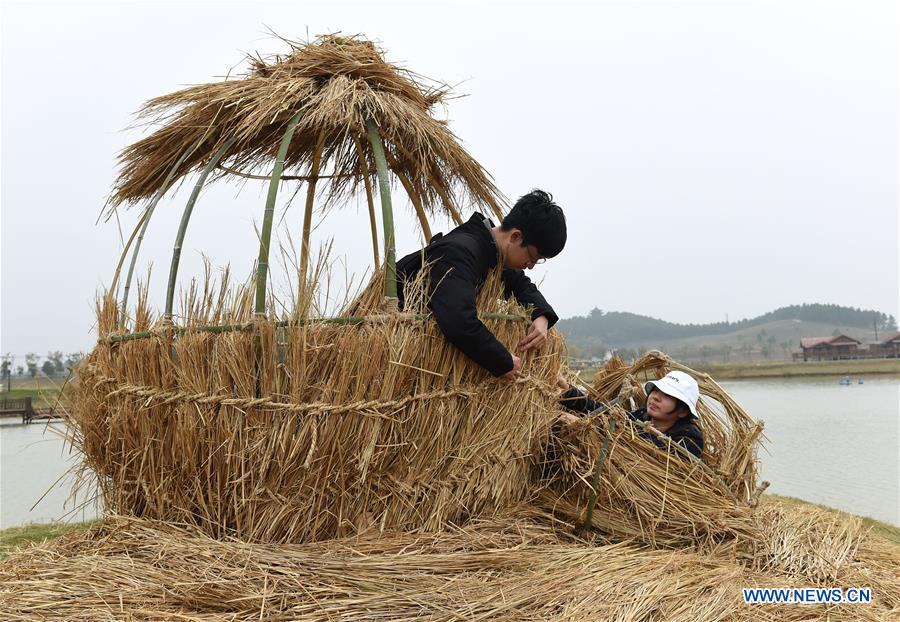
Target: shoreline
point(800, 369)
point(884, 368)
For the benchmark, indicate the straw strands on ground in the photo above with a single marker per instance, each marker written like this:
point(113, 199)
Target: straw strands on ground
point(517, 567)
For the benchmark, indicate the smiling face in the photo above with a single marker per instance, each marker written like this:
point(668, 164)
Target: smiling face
point(519, 256)
point(664, 409)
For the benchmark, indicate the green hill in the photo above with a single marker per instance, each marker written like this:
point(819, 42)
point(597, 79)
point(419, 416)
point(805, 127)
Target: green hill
point(771, 335)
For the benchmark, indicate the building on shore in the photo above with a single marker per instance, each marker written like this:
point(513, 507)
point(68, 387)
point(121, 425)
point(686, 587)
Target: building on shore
point(842, 347)
point(830, 348)
point(888, 348)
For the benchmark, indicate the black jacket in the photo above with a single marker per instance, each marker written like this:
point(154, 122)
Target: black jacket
point(460, 262)
point(684, 431)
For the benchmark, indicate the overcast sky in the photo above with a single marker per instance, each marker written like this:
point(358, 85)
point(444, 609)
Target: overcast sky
point(712, 158)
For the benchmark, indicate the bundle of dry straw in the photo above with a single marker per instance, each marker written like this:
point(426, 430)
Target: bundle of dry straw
point(337, 83)
point(312, 430)
point(659, 496)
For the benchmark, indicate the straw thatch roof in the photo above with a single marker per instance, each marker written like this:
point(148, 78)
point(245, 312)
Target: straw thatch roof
point(338, 83)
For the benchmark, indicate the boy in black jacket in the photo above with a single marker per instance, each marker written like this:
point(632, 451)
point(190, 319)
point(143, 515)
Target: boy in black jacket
point(459, 262)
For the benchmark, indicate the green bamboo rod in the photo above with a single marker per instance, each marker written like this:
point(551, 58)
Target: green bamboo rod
point(146, 220)
point(595, 480)
point(349, 320)
point(262, 266)
point(373, 224)
point(414, 197)
point(185, 219)
point(124, 254)
point(387, 212)
point(308, 213)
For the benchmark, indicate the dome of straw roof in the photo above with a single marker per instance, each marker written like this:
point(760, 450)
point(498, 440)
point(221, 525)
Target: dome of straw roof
point(338, 83)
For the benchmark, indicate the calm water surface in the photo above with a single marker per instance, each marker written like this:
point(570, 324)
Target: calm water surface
point(34, 461)
point(829, 444)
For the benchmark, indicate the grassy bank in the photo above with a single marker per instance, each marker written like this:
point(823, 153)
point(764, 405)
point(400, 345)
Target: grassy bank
point(878, 528)
point(799, 369)
point(790, 369)
point(43, 391)
point(15, 537)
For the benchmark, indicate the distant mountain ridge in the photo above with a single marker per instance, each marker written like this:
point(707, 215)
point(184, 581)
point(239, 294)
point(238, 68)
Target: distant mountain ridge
point(617, 328)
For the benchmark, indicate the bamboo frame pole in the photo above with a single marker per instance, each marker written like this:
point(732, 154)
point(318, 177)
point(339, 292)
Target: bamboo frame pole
point(146, 220)
point(308, 212)
point(185, 219)
point(414, 198)
point(387, 211)
point(262, 266)
point(364, 170)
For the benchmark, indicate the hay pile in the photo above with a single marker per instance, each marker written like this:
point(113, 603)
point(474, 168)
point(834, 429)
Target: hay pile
point(313, 430)
point(517, 567)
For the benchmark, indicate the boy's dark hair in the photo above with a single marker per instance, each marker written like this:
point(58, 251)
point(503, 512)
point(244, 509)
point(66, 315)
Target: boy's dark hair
point(541, 222)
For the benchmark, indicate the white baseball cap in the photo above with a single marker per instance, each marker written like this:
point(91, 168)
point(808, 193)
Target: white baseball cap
point(679, 385)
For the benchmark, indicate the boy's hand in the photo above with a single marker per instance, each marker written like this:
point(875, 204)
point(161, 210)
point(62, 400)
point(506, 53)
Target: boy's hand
point(568, 418)
point(562, 383)
point(516, 371)
point(537, 335)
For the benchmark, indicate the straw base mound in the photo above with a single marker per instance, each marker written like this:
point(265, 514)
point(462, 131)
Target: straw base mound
point(504, 569)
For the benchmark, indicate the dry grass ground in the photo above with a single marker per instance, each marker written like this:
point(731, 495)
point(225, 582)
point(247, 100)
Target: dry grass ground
point(524, 566)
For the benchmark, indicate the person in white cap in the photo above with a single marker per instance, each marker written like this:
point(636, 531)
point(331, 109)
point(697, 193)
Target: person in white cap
point(671, 409)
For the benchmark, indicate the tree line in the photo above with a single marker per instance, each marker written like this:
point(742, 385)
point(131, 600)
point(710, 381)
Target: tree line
point(615, 328)
point(54, 364)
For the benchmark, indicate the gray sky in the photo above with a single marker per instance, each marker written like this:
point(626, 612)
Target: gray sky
point(712, 158)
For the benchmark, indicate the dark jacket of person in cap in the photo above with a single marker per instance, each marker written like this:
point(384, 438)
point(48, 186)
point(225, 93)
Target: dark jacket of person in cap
point(685, 431)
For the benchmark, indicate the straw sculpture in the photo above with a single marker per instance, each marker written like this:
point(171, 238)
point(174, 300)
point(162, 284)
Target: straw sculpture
point(295, 466)
point(302, 427)
point(521, 566)
point(637, 490)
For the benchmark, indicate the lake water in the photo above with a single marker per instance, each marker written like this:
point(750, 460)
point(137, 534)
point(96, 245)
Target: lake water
point(829, 444)
point(34, 461)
